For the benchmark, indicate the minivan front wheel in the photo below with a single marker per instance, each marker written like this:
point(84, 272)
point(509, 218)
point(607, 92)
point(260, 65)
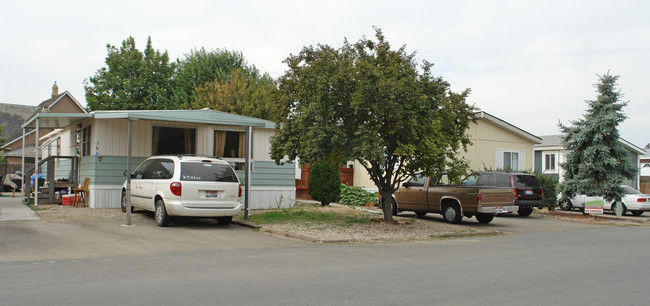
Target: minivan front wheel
point(162, 218)
point(123, 204)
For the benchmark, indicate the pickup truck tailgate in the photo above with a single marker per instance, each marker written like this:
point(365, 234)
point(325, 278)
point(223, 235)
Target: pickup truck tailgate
point(493, 197)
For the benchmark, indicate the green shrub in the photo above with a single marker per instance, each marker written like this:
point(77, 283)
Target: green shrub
point(549, 183)
point(356, 196)
point(324, 183)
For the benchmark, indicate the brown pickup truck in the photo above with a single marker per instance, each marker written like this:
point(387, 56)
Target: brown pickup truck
point(436, 195)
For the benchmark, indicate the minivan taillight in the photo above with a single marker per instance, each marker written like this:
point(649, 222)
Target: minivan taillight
point(239, 191)
point(176, 188)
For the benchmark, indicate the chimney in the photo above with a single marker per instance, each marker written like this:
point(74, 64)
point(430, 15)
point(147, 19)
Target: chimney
point(55, 90)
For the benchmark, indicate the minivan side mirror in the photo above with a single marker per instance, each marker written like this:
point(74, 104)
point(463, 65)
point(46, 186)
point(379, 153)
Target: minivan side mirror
point(124, 173)
point(406, 185)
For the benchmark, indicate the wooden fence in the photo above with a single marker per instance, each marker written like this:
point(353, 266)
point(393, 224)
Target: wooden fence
point(302, 185)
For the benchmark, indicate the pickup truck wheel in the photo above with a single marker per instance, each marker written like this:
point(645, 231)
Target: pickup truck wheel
point(484, 218)
point(525, 211)
point(451, 214)
point(393, 207)
point(566, 205)
point(637, 212)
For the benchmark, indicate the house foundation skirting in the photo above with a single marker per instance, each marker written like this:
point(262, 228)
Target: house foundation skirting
point(109, 196)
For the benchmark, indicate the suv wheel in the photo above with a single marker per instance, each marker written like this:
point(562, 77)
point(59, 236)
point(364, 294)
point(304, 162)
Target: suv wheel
point(162, 218)
point(525, 211)
point(484, 218)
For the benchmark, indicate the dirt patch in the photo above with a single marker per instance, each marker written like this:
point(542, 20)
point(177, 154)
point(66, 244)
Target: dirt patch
point(53, 212)
point(405, 228)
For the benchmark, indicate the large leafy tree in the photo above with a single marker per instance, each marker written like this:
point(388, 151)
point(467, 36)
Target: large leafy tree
point(598, 162)
point(367, 102)
point(200, 67)
point(241, 93)
point(131, 80)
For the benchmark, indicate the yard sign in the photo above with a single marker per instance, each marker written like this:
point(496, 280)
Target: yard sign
point(594, 205)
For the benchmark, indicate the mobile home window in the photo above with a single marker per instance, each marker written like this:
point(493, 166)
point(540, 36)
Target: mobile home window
point(85, 141)
point(172, 140)
point(229, 144)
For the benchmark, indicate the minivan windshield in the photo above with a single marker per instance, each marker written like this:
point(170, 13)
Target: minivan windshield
point(207, 172)
point(526, 181)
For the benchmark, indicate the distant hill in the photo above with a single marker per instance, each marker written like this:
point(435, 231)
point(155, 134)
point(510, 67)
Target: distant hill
point(12, 116)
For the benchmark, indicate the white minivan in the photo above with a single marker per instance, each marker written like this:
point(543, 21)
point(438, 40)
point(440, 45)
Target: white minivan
point(191, 186)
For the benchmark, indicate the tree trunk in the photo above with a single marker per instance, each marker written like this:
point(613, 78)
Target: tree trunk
point(387, 205)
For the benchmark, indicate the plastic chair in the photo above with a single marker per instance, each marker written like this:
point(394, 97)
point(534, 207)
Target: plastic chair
point(81, 193)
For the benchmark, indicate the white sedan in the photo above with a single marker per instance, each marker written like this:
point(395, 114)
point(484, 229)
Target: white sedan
point(633, 201)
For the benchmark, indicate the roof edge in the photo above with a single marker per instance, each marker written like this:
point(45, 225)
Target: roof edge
point(508, 126)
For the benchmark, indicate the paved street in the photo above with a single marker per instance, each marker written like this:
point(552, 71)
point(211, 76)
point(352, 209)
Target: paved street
point(104, 263)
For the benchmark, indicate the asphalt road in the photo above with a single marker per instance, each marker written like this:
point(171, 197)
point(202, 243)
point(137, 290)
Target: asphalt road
point(544, 262)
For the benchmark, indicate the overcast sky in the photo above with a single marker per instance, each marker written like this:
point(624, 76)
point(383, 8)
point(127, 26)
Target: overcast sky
point(530, 64)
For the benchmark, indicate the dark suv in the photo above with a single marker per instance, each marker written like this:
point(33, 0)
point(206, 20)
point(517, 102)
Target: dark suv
point(528, 190)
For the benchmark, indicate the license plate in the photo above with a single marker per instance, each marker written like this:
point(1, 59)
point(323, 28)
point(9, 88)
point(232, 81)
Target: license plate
point(211, 194)
point(529, 192)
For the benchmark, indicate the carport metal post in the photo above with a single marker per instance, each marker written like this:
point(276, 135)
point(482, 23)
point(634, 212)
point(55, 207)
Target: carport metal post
point(36, 164)
point(247, 183)
point(23, 191)
point(128, 174)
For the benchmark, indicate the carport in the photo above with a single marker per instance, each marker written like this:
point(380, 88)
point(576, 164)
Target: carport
point(207, 117)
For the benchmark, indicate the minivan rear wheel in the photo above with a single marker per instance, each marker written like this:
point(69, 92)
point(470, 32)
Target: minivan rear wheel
point(162, 218)
point(224, 220)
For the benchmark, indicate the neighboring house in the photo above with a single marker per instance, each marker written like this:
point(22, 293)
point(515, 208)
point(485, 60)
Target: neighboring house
point(100, 139)
point(57, 103)
point(496, 144)
point(551, 153)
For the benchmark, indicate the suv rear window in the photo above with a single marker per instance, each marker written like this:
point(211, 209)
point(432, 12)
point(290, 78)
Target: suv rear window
point(207, 172)
point(526, 181)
